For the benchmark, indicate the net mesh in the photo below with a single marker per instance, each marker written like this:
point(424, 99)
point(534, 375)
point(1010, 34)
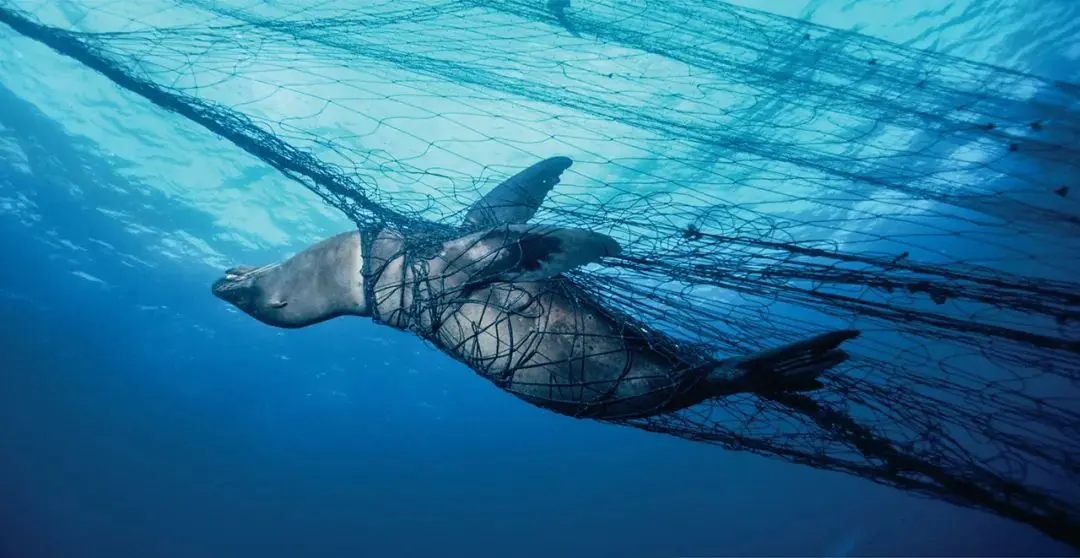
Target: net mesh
point(767, 178)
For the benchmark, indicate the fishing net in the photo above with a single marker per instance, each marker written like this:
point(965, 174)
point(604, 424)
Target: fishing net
point(768, 179)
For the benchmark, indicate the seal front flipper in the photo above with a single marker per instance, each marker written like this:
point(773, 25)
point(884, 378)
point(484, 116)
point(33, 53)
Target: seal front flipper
point(558, 8)
point(793, 367)
point(521, 253)
point(517, 198)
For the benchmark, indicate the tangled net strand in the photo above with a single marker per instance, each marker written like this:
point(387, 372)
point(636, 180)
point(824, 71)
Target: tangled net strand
point(767, 178)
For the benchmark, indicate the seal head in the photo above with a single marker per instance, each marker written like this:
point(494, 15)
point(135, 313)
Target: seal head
point(320, 283)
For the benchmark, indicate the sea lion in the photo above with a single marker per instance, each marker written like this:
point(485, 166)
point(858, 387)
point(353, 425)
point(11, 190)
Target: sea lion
point(490, 295)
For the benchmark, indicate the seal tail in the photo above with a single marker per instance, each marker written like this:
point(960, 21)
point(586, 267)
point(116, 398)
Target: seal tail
point(793, 367)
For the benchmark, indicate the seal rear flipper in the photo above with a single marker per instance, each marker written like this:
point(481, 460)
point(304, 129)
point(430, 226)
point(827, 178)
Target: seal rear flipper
point(517, 198)
point(522, 253)
point(793, 367)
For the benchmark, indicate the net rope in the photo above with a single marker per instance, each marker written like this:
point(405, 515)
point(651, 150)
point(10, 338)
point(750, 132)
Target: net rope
point(767, 178)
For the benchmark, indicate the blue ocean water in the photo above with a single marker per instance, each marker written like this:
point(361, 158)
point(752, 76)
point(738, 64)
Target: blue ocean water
point(139, 416)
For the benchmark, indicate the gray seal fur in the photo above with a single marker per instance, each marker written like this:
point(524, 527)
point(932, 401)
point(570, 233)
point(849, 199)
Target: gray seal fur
point(492, 297)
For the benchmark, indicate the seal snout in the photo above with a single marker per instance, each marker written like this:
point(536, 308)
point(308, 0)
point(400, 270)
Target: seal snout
point(220, 286)
point(225, 288)
point(231, 287)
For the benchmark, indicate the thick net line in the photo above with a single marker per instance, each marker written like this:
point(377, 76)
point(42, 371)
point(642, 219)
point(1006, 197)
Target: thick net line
point(766, 177)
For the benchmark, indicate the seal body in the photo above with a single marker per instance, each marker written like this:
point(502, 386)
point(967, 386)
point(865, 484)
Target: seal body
point(543, 341)
point(491, 294)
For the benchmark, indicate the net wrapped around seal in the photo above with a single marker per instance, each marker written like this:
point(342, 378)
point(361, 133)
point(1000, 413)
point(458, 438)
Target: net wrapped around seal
point(768, 180)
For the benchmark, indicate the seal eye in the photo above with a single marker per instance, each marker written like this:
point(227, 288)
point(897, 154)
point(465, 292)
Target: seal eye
point(238, 272)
